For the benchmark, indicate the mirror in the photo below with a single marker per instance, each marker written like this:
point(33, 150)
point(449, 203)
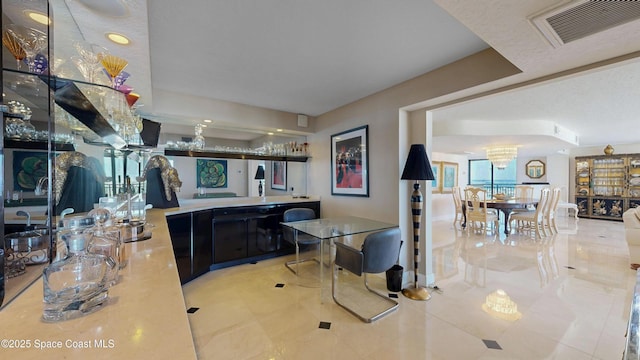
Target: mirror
point(535, 169)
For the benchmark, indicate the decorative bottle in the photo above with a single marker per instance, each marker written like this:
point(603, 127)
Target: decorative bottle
point(76, 285)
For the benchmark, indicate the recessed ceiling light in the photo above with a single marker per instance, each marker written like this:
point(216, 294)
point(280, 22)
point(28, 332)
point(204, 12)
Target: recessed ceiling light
point(38, 17)
point(203, 125)
point(118, 38)
point(279, 130)
point(269, 133)
point(207, 120)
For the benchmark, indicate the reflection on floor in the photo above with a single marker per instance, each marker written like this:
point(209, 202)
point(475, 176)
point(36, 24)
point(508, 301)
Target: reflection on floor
point(571, 293)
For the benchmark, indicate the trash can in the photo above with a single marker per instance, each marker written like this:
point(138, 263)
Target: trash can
point(394, 278)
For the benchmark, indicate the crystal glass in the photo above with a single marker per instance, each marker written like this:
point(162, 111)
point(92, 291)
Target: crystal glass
point(89, 61)
point(31, 40)
point(76, 285)
point(14, 126)
point(14, 47)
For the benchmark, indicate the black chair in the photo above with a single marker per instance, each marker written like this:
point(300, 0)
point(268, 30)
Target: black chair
point(299, 214)
point(379, 252)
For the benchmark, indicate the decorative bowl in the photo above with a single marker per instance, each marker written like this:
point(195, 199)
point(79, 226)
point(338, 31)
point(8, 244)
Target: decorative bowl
point(500, 196)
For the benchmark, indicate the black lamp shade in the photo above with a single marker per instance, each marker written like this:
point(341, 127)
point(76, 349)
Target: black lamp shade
point(260, 173)
point(417, 166)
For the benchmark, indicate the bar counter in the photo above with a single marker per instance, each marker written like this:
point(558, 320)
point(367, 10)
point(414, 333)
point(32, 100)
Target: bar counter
point(145, 316)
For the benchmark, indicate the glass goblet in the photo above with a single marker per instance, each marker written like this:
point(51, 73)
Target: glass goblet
point(13, 45)
point(114, 65)
point(31, 40)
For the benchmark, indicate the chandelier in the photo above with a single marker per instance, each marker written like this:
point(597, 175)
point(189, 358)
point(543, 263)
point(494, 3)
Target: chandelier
point(501, 155)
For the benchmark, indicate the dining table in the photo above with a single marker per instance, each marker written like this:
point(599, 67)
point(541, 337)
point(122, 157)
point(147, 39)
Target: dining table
point(505, 206)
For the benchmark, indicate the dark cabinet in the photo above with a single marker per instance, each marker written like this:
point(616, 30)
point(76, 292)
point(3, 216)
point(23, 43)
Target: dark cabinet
point(191, 238)
point(212, 239)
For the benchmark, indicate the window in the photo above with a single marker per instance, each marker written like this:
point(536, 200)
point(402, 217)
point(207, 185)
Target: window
point(483, 174)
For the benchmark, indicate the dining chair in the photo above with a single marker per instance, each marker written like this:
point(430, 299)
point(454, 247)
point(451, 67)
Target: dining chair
point(551, 210)
point(532, 221)
point(457, 202)
point(379, 252)
point(477, 210)
point(305, 240)
point(523, 192)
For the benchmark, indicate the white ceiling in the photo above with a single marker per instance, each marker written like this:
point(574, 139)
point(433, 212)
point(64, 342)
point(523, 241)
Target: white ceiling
point(311, 57)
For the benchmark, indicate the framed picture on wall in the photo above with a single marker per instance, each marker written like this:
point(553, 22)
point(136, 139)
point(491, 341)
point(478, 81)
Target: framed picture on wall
point(436, 184)
point(449, 176)
point(279, 175)
point(350, 164)
point(211, 173)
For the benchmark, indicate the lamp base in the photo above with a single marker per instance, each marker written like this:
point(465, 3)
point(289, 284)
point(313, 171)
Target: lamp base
point(416, 293)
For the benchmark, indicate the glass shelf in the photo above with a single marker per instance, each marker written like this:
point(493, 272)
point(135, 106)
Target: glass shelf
point(233, 155)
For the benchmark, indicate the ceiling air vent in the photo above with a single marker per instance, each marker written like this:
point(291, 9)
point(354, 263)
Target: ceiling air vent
point(579, 19)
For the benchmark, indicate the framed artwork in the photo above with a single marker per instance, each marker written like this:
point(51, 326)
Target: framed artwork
point(449, 176)
point(211, 173)
point(279, 175)
point(28, 168)
point(350, 165)
point(436, 184)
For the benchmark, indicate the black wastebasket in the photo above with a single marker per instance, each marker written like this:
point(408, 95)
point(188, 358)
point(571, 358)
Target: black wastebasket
point(394, 278)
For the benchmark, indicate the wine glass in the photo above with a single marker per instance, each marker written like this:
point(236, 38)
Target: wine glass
point(89, 54)
point(14, 47)
point(114, 65)
point(31, 40)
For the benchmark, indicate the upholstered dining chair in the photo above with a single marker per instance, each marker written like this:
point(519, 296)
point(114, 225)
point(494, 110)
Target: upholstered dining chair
point(457, 202)
point(379, 252)
point(533, 221)
point(305, 240)
point(477, 211)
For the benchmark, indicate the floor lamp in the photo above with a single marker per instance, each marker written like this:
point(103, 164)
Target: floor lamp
point(417, 168)
point(260, 176)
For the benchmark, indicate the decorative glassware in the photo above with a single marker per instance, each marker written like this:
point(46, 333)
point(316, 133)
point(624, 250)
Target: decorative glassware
point(105, 240)
point(76, 285)
point(13, 45)
point(31, 40)
point(89, 60)
point(114, 65)
point(198, 141)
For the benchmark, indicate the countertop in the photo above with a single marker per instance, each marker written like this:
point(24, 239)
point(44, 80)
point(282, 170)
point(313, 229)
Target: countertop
point(145, 316)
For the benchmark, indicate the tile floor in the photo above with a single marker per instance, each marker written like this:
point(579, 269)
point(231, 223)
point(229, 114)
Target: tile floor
point(572, 291)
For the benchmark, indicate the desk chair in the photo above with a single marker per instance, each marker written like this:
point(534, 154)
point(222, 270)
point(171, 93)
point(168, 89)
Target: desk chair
point(298, 214)
point(379, 252)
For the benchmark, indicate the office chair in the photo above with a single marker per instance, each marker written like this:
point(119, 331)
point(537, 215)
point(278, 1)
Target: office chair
point(379, 252)
point(298, 214)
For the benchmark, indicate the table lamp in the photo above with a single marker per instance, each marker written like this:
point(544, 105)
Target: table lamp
point(417, 168)
point(260, 176)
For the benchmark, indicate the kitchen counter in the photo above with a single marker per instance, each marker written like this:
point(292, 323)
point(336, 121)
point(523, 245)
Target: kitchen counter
point(145, 317)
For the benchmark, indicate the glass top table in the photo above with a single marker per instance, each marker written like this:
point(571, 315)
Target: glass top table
point(328, 229)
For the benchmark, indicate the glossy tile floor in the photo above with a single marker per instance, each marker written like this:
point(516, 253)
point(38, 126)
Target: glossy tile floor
point(572, 291)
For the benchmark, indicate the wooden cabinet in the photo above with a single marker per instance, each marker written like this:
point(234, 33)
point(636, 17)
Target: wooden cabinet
point(607, 185)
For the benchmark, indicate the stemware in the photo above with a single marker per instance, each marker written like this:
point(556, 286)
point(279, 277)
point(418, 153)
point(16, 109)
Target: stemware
point(114, 65)
point(89, 58)
point(14, 47)
point(31, 40)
